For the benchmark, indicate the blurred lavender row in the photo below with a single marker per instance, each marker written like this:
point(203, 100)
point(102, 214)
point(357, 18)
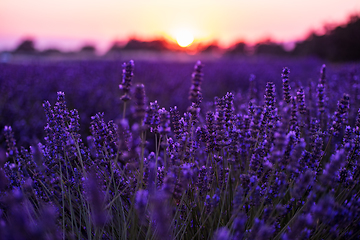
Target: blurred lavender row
point(89, 86)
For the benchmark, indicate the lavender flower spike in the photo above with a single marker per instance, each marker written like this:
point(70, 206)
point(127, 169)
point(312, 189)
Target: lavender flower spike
point(286, 86)
point(141, 201)
point(336, 162)
point(195, 90)
point(140, 108)
point(222, 234)
point(128, 69)
point(96, 199)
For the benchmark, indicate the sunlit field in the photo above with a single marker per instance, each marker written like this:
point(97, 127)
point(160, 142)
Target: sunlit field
point(224, 148)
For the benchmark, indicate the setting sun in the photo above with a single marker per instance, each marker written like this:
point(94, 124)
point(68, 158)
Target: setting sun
point(184, 38)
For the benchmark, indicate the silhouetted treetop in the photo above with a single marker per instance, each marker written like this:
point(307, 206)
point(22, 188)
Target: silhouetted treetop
point(341, 43)
point(26, 46)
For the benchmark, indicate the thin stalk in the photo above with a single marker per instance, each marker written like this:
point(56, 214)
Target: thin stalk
point(325, 151)
point(223, 204)
point(157, 147)
point(165, 163)
point(124, 110)
point(142, 157)
point(63, 202)
point(183, 227)
point(291, 221)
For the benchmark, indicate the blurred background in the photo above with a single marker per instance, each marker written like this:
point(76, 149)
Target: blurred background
point(83, 29)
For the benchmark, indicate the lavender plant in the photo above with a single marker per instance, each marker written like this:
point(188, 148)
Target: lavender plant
point(238, 170)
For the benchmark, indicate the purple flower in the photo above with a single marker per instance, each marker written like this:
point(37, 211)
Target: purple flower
point(211, 131)
point(239, 226)
point(161, 215)
point(270, 95)
point(229, 108)
point(197, 76)
point(175, 120)
point(303, 183)
point(222, 234)
point(10, 141)
point(140, 108)
point(340, 115)
point(127, 76)
point(322, 79)
point(152, 118)
point(321, 96)
point(95, 198)
point(141, 201)
point(286, 86)
point(324, 209)
point(301, 101)
point(164, 126)
point(331, 168)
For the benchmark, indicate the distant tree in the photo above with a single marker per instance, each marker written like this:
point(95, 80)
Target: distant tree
point(51, 51)
point(155, 45)
point(88, 49)
point(212, 47)
point(116, 47)
point(313, 45)
point(238, 48)
point(26, 46)
point(341, 43)
point(269, 48)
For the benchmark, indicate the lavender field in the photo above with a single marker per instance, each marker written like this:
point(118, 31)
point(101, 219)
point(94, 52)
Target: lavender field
point(92, 86)
point(233, 148)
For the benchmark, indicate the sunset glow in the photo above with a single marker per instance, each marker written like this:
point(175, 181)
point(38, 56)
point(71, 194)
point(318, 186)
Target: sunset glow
point(184, 38)
point(69, 24)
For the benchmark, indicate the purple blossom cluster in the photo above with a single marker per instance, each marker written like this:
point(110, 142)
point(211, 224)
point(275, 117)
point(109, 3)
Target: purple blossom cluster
point(285, 165)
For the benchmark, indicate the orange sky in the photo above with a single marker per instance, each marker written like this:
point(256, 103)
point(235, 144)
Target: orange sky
point(69, 24)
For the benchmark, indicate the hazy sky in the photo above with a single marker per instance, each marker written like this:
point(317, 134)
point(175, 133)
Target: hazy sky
point(71, 23)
